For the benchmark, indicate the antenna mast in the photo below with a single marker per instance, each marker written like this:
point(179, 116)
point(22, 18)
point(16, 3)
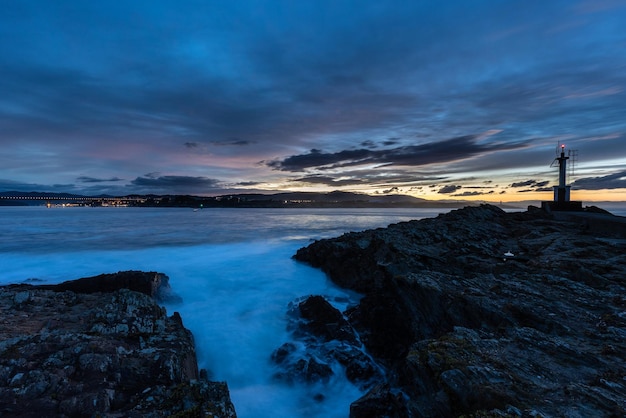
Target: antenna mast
point(573, 160)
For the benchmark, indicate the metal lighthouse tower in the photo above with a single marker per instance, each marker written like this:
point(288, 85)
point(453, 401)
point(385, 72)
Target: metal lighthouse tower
point(562, 191)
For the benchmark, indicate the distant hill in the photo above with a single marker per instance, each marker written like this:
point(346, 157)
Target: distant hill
point(334, 199)
point(284, 199)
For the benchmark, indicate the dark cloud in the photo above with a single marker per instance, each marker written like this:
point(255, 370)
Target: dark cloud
point(11, 185)
point(391, 141)
point(191, 144)
point(86, 179)
point(237, 142)
point(610, 181)
point(392, 190)
point(523, 183)
point(248, 183)
point(416, 155)
point(327, 180)
point(527, 183)
point(369, 144)
point(473, 193)
point(176, 184)
point(449, 189)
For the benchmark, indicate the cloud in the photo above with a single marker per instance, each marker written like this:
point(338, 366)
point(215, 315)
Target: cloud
point(444, 151)
point(11, 185)
point(176, 184)
point(610, 181)
point(86, 179)
point(529, 183)
point(238, 142)
point(361, 85)
point(327, 180)
point(523, 183)
point(392, 190)
point(449, 189)
point(248, 183)
point(369, 144)
point(474, 193)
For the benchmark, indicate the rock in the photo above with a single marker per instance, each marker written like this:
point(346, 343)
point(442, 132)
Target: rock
point(462, 330)
point(21, 297)
point(380, 402)
point(325, 321)
point(114, 352)
point(155, 285)
point(324, 342)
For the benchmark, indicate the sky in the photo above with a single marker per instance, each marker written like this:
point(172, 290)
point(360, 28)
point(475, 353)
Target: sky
point(465, 99)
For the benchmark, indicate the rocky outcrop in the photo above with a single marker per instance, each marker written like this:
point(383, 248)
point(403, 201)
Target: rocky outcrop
point(324, 343)
point(95, 348)
point(155, 285)
point(479, 312)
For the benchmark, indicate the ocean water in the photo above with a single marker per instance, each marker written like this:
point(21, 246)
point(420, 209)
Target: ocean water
point(232, 267)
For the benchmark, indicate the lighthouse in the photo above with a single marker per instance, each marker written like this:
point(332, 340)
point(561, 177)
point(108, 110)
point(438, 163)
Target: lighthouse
point(562, 191)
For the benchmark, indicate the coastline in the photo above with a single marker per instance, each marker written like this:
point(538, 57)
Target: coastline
point(464, 323)
point(484, 313)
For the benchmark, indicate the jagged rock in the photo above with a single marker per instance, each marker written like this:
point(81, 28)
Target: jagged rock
point(325, 341)
point(156, 285)
point(325, 321)
point(479, 311)
point(64, 353)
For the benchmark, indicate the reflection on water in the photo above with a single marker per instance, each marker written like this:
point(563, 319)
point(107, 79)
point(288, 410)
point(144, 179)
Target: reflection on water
point(40, 229)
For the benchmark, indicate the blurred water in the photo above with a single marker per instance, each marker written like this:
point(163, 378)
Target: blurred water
point(232, 267)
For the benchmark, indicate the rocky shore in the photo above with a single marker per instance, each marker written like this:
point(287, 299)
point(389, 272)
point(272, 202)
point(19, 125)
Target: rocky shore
point(101, 346)
point(475, 313)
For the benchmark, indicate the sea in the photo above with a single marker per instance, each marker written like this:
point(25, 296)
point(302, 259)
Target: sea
point(232, 267)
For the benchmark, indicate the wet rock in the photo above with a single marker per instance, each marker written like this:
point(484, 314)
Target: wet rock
point(463, 329)
point(325, 321)
point(113, 352)
point(324, 343)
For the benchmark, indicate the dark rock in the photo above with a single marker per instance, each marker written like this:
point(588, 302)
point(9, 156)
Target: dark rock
point(464, 329)
point(155, 285)
point(325, 321)
point(380, 402)
point(324, 342)
point(82, 352)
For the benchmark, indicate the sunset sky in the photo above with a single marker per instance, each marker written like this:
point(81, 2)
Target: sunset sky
point(449, 99)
